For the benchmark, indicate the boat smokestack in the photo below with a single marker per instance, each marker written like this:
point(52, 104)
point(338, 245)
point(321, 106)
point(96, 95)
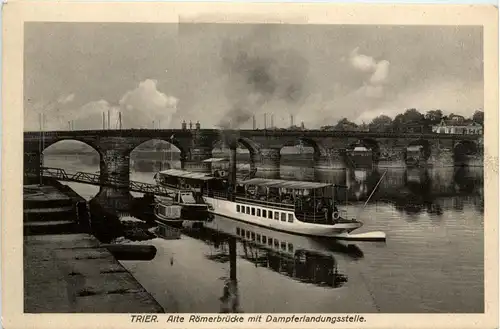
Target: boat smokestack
point(232, 171)
point(230, 138)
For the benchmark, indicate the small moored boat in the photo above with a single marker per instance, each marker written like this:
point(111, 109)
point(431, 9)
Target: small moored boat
point(185, 202)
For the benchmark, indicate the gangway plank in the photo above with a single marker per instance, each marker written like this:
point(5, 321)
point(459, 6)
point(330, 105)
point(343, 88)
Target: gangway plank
point(95, 179)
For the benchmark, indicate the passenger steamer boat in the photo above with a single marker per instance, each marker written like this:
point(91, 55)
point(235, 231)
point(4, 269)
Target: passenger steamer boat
point(299, 207)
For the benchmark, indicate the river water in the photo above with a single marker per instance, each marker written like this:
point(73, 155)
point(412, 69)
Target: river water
point(432, 260)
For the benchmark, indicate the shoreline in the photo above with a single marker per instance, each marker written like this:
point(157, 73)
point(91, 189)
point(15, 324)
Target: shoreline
point(74, 271)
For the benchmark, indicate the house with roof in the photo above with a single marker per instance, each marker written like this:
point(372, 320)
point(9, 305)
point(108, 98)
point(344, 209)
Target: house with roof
point(457, 124)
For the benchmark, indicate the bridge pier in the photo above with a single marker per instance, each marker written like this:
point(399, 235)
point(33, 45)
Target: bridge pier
point(115, 200)
point(114, 166)
point(269, 159)
point(331, 159)
point(441, 157)
point(392, 157)
point(199, 149)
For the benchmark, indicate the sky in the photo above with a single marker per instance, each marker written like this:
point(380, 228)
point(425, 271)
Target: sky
point(223, 74)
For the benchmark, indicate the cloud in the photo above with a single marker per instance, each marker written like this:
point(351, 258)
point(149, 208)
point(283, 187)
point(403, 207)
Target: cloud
point(362, 62)
point(138, 107)
point(145, 104)
point(381, 72)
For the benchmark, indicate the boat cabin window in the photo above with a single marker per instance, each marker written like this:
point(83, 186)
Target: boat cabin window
point(248, 234)
point(283, 245)
point(253, 236)
point(270, 214)
point(258, 237)
point(237, 208)
point(283, 217)
point(237, 231)
point(258, 212)
point(276, 215)
point(264, 239)
point(264, 213)
point(270, 241)
point(290, 247)
point(248, 210)
point(276, 243)
point(290, 218)
point(253, 211)
point(242, 232)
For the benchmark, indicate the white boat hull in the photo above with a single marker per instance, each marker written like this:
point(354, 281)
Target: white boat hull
point(229, 209)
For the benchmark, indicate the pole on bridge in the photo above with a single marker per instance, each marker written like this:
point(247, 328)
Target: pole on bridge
point(109, 115)
point(103, 121)
point(120, 119)
point(265, 121)
point(41, 147)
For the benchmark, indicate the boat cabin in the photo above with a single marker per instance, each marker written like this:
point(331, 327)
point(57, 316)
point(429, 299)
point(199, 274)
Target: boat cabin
point(313, 202)
point(188, 186)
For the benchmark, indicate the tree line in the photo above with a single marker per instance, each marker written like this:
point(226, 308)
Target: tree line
point(409, 121)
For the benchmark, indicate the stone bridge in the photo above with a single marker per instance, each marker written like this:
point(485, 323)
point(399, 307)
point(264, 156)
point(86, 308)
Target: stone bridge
point(114, 146)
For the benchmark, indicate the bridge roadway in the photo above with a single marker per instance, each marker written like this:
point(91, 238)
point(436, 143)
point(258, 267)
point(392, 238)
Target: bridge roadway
point(196, 145)
point(248, 133)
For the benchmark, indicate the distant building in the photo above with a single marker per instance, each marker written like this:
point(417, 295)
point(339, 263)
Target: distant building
point(457, 124)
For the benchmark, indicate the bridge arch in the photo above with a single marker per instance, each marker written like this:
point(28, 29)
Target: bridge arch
point(466, 147)
point(425, 151)
point(70, 148)
point(370, 144)
point(74, 155)
point(242, 142)
point(51, 142)
point(155, 154)
point(464, 151)
point(318, 149)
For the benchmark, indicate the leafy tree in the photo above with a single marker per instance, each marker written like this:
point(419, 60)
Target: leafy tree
point(411, 117)
point(345, 125)
point(381, 123)
point(478, 117)
point(434, 116)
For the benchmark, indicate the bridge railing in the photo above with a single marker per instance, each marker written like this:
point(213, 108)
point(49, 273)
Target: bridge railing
point(55, 173)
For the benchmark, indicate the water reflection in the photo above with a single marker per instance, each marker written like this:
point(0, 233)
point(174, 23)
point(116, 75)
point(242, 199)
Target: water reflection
point(301, 258)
